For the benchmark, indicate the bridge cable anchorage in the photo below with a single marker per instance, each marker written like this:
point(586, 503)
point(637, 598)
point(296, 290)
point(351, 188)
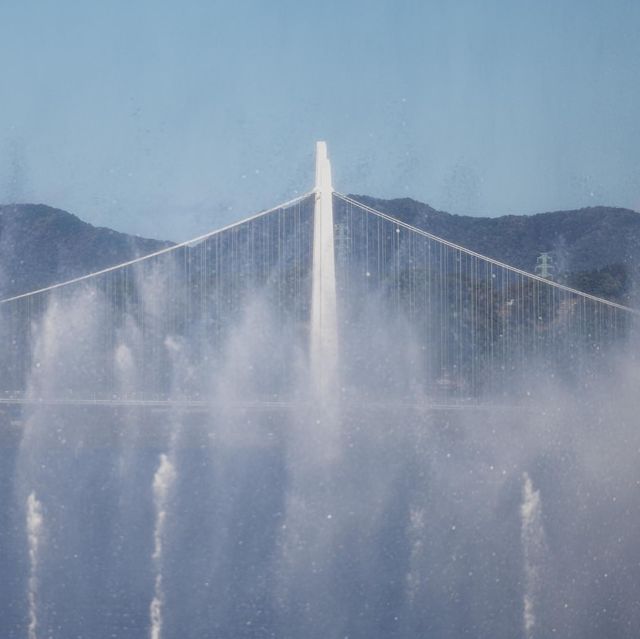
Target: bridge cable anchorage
point(169, 249)
point(490, 260)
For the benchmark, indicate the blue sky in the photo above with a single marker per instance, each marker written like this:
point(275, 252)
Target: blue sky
point(171, 118)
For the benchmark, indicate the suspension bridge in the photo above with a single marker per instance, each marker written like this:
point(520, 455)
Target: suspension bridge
point(321, 287)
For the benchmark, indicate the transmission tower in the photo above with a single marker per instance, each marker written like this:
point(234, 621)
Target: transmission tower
point(544, 266)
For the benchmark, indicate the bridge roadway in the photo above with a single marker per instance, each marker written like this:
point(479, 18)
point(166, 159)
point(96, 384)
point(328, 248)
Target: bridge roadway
point(148, 423)
point(190, 405)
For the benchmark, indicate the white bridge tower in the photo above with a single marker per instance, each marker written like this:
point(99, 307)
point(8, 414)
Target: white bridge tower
point(324, 325)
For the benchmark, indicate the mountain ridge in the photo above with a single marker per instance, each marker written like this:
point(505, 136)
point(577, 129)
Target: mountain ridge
point(42, 245)
point(518, 239)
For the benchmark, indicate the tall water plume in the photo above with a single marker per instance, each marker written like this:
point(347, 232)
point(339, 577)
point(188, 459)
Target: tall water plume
point(163, 481)
point(35, 531)
point(533, 550)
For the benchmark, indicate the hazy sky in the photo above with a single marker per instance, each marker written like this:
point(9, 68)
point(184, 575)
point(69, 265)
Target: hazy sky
point(172, 118)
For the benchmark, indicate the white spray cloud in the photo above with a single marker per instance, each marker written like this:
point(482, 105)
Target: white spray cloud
point(124, 359)
point(533, 548)
point(35, 524)
point(163, 481)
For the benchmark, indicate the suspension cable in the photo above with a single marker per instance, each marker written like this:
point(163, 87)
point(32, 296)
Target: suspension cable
point(486, 259)
point(169, 249)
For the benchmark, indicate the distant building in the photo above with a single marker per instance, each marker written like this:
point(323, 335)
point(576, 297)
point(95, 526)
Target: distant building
point(544, 266)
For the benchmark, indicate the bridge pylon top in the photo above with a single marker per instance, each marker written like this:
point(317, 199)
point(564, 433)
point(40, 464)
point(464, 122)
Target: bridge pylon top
point(323, 169)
